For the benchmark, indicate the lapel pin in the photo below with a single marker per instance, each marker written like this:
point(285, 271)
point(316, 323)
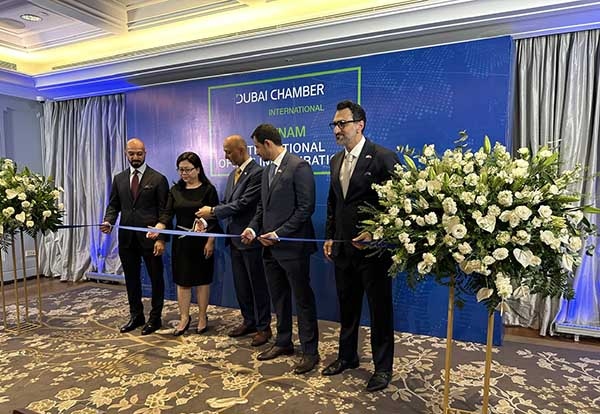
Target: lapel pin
point(368, 156)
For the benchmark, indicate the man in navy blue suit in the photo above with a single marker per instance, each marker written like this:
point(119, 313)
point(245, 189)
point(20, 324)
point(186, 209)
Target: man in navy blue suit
point(286, 205)
point(354, 170)
point(237, 209)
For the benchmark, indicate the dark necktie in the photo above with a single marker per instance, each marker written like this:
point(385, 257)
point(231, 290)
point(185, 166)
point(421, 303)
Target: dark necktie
point(135, 184)
point(272, 170)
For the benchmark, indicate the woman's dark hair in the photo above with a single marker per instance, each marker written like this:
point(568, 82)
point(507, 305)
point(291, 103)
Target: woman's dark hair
point(195, 160)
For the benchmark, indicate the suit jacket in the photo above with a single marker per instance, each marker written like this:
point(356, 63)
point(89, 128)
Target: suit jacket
point(286, 207)
point(144, 211)
point(239, 204)
point(375, 164)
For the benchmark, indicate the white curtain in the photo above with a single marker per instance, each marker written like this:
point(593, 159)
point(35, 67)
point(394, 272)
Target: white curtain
point(557, 103)
point(83, 147)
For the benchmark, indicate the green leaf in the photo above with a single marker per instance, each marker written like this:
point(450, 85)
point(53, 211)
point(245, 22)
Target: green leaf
point(410, 162)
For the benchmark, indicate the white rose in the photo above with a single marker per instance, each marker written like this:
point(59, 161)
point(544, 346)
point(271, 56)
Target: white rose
point(431, 218)
point(523, 212)
point(421, 185)
point(505, 198)
point(494, 210)
point(29, 223)
point(481, 200)
point(407, 206)
point(8, 211)
point(420, 221)
point(394, 210)
point(545, 212)
point(503, 286)
point(431, 237)
point(553, 190)
point(449, 206)
point(25, 204)
point(410, 248)
point(22, 196)
point(458, 231)
point(500, 254)
point(467, 197)
point(545, 153)
point(488, 260)
point(503, 238)
point(46, 213)
point(404, 238)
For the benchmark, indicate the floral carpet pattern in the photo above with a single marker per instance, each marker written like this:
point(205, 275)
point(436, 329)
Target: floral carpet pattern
point(78, 362)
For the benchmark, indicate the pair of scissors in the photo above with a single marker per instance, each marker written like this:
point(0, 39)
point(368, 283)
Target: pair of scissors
point(188, 229)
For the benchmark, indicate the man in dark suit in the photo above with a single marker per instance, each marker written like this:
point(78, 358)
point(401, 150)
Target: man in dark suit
point(237, 209)
point(353, 171)
point(139, 194)
point(285, 209)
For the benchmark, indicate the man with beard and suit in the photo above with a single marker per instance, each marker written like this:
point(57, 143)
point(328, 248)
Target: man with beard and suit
point(237, 209)
point(354, 170)
point(139, 194)
point(284, 210)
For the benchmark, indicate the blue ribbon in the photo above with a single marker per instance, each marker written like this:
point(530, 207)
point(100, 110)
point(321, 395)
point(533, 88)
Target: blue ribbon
point(199, 234)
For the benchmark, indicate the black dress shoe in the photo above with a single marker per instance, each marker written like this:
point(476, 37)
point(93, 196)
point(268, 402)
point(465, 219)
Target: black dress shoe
point(379, 381)
point(306, 364)
point(132, 324)
point(178, 332)
point(150, 327)
point(200, 330)
point(274, 352)
point(340, 365)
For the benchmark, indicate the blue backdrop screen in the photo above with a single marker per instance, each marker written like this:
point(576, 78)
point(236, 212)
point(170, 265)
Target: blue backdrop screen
point(413, 97)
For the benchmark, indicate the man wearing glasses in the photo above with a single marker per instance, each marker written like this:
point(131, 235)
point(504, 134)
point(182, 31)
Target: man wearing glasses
point(139, 194)
point(353, 171)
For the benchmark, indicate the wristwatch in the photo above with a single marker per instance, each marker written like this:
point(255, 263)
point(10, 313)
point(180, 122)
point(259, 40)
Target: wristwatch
point(212, 211)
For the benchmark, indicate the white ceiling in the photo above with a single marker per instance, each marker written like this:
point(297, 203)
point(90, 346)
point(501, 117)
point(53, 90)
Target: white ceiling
point(314, 30)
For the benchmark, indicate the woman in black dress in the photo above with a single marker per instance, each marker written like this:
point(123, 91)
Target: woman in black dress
point(192, 257)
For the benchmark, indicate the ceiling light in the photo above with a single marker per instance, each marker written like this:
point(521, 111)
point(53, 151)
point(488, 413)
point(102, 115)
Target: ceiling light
point(31, 17)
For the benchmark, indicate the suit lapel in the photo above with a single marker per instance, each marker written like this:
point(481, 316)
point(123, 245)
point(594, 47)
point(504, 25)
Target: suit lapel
point(229, 188)
point(280, 170)
point(336, 165)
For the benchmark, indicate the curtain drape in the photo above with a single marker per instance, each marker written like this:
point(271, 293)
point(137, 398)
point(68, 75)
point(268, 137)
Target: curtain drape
point(83, 147)
point(556, 103)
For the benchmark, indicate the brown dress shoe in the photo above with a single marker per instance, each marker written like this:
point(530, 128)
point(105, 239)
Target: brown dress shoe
point(261, 337)
point(241, 330)
point(274, 352)
point(306, 364)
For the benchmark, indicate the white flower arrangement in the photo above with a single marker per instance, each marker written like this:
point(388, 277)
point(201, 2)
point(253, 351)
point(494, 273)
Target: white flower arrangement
point(28, 202)
point(492, 224)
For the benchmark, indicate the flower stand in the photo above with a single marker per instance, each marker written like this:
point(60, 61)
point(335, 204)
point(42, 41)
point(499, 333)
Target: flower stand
point(488, 359)
point(20, 322)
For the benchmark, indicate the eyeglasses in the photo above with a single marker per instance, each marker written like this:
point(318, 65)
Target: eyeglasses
point(185, 170)
point(342, 124)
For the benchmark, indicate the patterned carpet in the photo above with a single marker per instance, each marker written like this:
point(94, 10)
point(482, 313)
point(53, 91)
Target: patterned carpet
point(78, 362)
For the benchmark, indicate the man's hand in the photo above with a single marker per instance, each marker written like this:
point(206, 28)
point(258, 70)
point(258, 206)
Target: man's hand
point(327, 246)
point(360, 241)
point(268, 239)
point(106, 227)
point(248, 236)
point(152, 235)
point(159, 247)
point(204, 212)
